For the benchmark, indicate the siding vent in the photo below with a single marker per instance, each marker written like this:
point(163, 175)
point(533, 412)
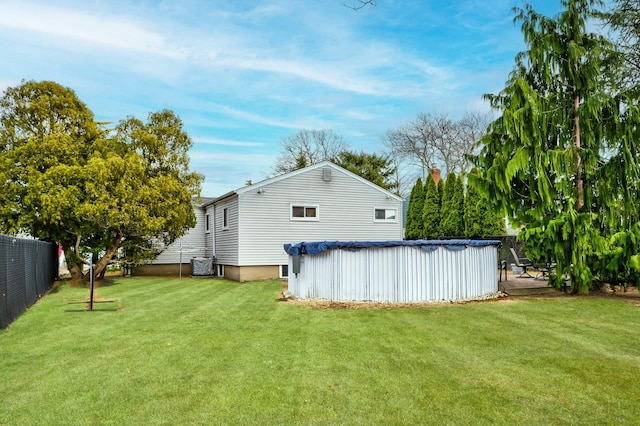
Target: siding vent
point(326, 175)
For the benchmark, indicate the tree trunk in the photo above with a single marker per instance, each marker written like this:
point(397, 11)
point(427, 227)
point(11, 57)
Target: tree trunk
point(73, 264)
point(579, 180)
point(575, 283)
point(106, 259)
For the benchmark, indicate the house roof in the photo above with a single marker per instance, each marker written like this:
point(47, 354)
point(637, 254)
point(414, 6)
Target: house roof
point(202, 201)
point(205, 200)
point(322, 164)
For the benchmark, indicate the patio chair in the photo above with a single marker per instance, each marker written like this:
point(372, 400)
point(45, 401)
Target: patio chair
point(522, 262)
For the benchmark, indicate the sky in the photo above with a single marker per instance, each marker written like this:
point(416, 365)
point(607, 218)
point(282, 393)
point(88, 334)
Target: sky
point(243, 75)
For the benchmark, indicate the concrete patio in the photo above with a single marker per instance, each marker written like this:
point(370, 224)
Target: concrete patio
point(518, 286)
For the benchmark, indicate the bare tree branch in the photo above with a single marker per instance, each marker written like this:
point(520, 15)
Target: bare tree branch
point(435, 140)
point(472, 127)
point(308, 147)
point(359, 4)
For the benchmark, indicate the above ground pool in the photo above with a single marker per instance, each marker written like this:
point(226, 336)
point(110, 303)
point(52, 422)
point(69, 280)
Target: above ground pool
point(393, 271)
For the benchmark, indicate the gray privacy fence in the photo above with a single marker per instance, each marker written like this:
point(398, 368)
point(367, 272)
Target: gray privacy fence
point(28, 269)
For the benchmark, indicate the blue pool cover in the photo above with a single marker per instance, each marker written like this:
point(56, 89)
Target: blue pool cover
point(313, 248)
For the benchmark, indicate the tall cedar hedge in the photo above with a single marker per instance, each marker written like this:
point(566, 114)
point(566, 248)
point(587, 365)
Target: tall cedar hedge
point(452, 209)
point(414, 228)
point(431, 210)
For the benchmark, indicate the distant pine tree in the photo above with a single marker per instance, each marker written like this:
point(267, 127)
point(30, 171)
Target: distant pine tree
point(452, 211)
point(414, 228)
point(494, 223)
point(459, 205)
point(447, 213)
point(473, 220)
point(431, 210)
point(482, 218)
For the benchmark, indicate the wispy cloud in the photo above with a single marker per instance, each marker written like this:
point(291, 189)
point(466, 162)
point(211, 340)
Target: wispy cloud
point(243, 75)
point(115, 31)
point(350, 68)
point(203, 158)
point(225, 142)
point(296, 122)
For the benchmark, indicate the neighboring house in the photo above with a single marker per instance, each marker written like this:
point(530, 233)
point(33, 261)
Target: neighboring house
point(245, 229)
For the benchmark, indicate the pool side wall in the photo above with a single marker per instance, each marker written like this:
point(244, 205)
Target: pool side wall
point(396, 274)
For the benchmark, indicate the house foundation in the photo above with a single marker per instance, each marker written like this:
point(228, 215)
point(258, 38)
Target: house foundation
point(252, 273)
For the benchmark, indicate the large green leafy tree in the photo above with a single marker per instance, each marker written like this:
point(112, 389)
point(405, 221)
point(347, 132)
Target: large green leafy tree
point(620, 254)
point(561, 157)
point(67, 180)
point(414, 228)
point(46, 138)
point(140, 187)
point(452, 209)
point(431, 209)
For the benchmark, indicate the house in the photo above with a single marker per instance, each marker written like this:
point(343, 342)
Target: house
point(246, 229)
point(192, 244)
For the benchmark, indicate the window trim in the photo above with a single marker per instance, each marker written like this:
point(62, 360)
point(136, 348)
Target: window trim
point(207, 225)
point(306, 206)
point(225, 218)
point(282, 267)
point(394, 220)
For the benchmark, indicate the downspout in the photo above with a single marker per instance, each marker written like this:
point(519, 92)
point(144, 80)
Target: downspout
point(212, 229)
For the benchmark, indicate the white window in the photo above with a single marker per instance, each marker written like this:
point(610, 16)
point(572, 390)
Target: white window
point(284, 271)
point(305, 212)
point(225, 218)
point(206, 223)
point(385, 215)
point(220, 270)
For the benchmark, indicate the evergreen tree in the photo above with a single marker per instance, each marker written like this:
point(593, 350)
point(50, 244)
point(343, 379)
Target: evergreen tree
point(375, 168)
point(451, 213)
point(414, 228)
point(459, 205)
point(561, 158)
point(493, 223)
point(482, 218)
point(431, 210)
point(473, 215)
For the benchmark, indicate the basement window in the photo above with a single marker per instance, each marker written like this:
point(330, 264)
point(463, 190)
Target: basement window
point(284, 271)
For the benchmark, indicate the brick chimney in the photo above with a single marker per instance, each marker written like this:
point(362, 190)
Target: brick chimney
point(435, 173)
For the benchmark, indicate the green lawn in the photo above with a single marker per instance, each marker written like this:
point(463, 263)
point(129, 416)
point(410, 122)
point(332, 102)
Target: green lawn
point(200, 351)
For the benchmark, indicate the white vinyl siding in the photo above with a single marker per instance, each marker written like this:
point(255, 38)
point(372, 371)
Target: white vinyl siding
point(210, 238)
point(227, 240)
point(346, 207)
point(225, 218)
point(191, 244)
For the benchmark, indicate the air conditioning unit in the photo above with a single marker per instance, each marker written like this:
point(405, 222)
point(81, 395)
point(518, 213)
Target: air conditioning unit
point(201, 266)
